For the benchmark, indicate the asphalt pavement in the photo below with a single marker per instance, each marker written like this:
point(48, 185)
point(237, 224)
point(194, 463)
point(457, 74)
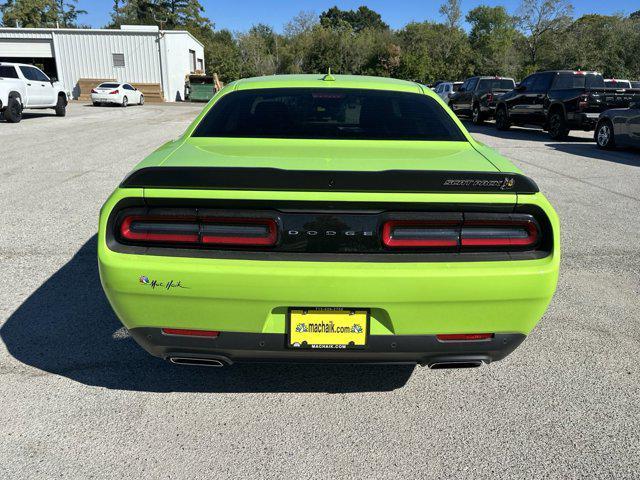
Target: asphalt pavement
point(78, 398)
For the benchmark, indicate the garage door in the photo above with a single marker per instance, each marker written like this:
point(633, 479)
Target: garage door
point(26, 48)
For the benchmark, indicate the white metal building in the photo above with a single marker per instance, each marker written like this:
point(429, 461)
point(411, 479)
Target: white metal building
point(134, 54)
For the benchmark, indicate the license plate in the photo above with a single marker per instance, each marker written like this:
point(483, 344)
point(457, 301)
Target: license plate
point(331, 328)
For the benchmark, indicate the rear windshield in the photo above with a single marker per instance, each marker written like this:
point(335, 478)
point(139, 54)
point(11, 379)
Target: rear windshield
point(328, 114)
point(109, 85)
point(617, 83)
point(635, 84)
point(497, 84)
point(578, 80)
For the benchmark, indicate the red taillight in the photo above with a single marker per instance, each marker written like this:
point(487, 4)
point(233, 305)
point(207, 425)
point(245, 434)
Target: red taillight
point(489, 97)
point(420, 233)
point(231, 231)
point(474, 232)
point(190, 333)
point(160, 229)
point(93, 90)
point(464, 337)
point(114, 92)
point(240, 231)
point(492, 233)
point(583, 101)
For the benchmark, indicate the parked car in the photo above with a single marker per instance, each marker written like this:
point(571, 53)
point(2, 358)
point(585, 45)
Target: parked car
point(619, 127)
point(446, 89)
point(478, 96)
point(122, 94)
point(616, 83)
point(635, 84)
point(25, 86)
point(560, 101)
point(260, 235)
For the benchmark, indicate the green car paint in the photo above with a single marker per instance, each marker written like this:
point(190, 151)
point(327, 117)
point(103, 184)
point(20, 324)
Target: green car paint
point(253, 296)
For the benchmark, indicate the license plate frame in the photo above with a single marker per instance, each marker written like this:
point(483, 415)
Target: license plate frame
point(293, 314)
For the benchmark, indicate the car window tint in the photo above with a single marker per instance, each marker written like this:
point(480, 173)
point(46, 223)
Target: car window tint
point(496, 84)
point(472, 84)
point(109, 85)
point(566, 81)
point(8, 72)
point(30, 73)
point(323, 114)
point(41, 75)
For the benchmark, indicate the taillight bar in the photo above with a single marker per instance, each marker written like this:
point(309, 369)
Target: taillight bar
point(228, 231)
point(492, 233)
point(474, 232)
point(420, 233)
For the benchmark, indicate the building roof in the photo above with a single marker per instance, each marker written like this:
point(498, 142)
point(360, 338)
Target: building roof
point(131, 30)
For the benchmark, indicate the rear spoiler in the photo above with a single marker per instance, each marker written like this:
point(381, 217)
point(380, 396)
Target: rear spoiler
point(408, 181)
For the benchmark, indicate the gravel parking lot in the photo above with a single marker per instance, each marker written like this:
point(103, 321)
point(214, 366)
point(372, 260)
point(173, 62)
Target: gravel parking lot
point(80, 400)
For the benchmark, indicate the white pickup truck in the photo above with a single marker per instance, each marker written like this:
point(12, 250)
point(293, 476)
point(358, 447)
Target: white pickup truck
point(25, 86)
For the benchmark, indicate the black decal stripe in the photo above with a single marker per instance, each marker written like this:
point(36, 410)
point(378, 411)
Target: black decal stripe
point(408, 181)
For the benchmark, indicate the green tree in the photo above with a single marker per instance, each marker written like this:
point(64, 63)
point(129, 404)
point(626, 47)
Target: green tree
point(540, 21)
point(358, 20)
point(40, 13)
point(452, 12)
point(492, 37)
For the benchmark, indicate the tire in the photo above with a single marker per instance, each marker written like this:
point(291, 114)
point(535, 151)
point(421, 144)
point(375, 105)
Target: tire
point(604, 135)
point(558, 126)
point(96, 104)
point(125, 102)
point(502, 119)
point(13, 112)
point(61, 107)
point(477, 117)
point(141, 100)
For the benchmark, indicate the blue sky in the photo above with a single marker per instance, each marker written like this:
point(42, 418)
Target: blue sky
point(240, 15)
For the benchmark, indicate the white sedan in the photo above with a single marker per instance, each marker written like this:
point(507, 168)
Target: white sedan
point(119, 93)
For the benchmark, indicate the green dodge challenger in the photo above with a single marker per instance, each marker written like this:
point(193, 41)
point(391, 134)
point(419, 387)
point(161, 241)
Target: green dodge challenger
point(320, 218)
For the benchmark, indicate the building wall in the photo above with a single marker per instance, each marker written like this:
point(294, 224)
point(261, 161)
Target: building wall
point(176, 46)
point(149, 56)
point(90, 55)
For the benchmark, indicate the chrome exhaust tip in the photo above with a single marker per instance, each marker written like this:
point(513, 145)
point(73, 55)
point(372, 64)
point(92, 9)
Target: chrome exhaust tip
point(200, 362)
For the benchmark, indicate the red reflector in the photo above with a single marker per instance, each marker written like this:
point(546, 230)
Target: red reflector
point(420, 233)
point(93, 90)
point(190, 333)
point(464, 337)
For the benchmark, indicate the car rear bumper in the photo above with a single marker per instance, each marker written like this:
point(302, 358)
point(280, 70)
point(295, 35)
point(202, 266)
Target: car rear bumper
point(585, 121)
point(98, 98)
point(232, 347)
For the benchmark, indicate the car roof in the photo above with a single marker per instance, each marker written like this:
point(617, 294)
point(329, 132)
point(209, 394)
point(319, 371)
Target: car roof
point(11, 64)
point(327, 81)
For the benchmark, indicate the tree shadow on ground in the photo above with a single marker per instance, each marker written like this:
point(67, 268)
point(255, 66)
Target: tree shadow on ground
point(66, 327)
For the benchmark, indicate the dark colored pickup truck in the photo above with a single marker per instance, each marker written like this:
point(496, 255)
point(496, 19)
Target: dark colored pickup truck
point(560, 101)
point(478, 96)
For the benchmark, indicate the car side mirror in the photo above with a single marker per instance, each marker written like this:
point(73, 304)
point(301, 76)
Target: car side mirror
point(520, 88)
point(53, 79)
point(461, 89)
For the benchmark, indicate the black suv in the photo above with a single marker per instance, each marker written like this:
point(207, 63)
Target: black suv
point(478, 96)
point(559, 101)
